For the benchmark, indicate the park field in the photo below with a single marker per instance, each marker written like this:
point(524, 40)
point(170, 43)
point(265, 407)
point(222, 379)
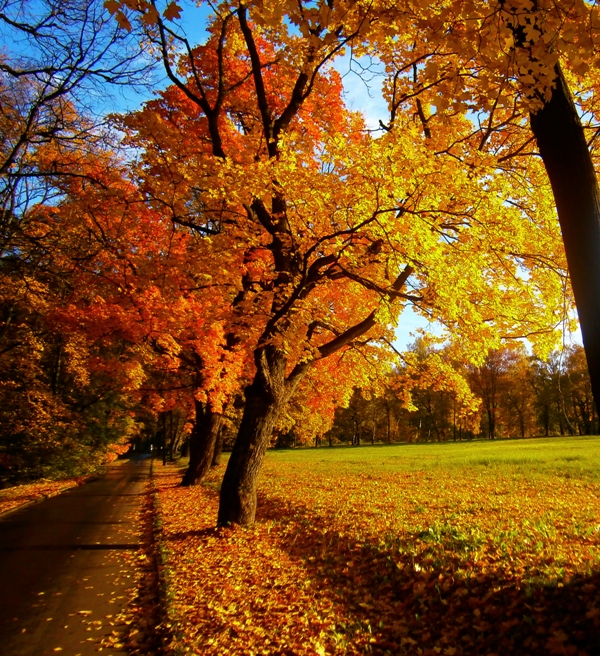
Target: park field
point(482, 548)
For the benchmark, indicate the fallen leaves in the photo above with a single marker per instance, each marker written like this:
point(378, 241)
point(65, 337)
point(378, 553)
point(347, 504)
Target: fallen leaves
point(13, 497)
point(354, 562)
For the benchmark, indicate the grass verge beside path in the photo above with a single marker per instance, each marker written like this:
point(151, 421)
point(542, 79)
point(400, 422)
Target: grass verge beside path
point(478, 548)
point(13, 497)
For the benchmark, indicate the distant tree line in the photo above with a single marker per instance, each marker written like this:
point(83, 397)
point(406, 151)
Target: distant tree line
point(520, 396)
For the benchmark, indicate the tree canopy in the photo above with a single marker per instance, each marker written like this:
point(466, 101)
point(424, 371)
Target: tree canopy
point(248, 244)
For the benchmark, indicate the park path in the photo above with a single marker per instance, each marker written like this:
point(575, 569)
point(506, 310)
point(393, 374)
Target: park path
point(63, 578)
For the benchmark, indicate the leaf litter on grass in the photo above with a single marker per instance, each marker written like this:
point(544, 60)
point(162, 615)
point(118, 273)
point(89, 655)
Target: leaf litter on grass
point(349, 562)
point(19, 495)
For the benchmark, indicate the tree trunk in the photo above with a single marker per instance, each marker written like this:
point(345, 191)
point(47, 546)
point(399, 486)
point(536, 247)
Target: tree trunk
point(374, 425)
point(547, 421)
point(164, 438)
point(389, 423)
point(522, 424)
point(562, 145)
point(491, 423)
point(185, 447)
point(216, 461)
point(265, 399)
point(202, 443)
point(238, 491)
point(454, 417)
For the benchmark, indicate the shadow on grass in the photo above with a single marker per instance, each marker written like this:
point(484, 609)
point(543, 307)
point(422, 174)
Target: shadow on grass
point(395, 604)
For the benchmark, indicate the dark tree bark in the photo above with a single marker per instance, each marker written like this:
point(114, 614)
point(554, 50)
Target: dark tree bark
point(265, 398)
point(374, 425)
point(202, 443)
point(564, 150)
point(388, 434)
point(491, 423)
point(163, 433)
point(216, 460)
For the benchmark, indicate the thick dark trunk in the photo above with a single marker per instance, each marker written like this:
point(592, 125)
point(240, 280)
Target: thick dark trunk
point(265, 398)
point(491, 424)
point(374, 431)
point(562, 145)
point(238, 490)
point(202, 443)
point(522, 424)
point(164, 439)
point(388, 437)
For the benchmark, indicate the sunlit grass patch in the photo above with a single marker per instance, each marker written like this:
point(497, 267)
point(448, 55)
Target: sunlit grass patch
point(414, 549)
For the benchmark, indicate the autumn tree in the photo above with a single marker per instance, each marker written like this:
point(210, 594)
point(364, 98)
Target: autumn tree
point(487, 380)
point(335, 229)
point(63, 405)
point(581, 410)
point(163, 299)
point(59, 61)
point(61, 409)
point(512, 66)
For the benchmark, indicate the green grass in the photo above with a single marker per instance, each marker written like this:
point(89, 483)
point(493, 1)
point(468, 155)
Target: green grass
point(564, 456)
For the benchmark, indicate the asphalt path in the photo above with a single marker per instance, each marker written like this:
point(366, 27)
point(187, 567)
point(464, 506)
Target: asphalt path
point(66, 568)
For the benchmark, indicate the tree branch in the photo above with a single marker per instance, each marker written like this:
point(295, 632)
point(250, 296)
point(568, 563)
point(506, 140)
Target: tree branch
point(364, 326)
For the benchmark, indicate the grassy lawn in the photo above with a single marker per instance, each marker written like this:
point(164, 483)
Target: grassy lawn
point(472, 548)
point(578, 456)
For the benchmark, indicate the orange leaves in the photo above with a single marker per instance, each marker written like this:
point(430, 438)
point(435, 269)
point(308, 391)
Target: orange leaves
point(148, 13)
point(13, 497)
point(172, 11)
point(112, 5)
point(354, 552)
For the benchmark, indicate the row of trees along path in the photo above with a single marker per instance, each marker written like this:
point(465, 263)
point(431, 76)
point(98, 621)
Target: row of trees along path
point(264, 242)
point(322, 32)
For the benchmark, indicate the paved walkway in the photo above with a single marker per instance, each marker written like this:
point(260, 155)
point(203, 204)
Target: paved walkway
point(63, 578)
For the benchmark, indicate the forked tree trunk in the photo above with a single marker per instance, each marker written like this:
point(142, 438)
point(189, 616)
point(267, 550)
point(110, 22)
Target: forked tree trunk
point(564, 150)
point(266, 398)
point(202, 443)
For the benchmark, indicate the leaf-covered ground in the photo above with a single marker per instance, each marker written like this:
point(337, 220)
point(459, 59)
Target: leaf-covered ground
point(136, 627)
point(13, 497)
point(364, 551)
